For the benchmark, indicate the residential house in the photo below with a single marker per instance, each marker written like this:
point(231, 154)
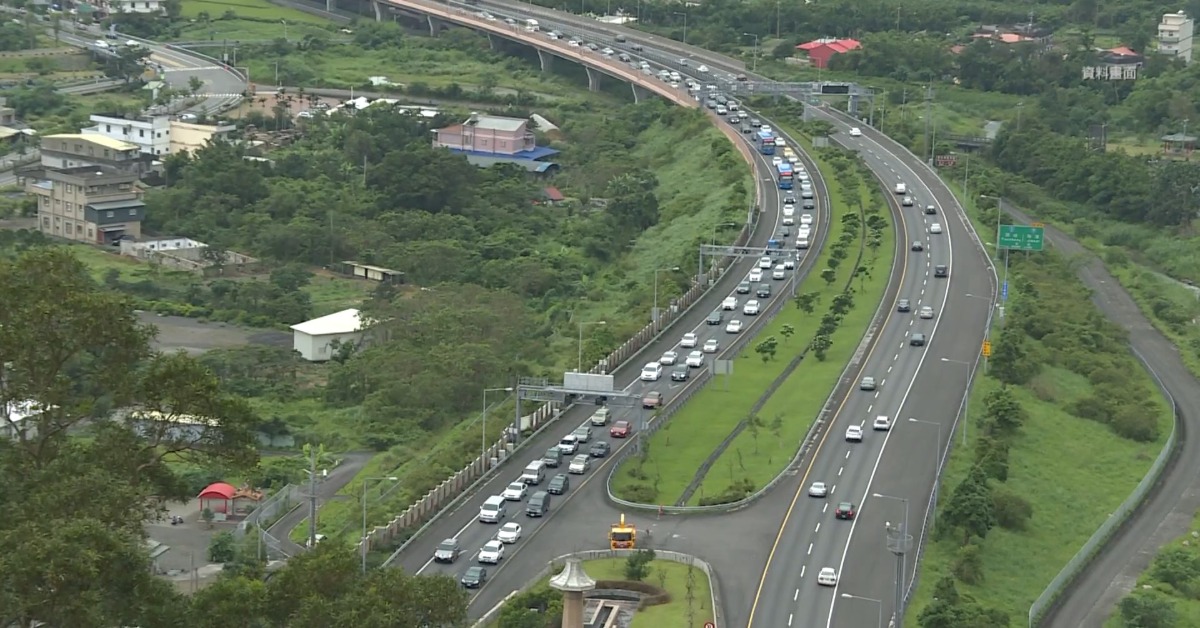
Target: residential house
point(820, 51)
point(188, 136)
point(94, 204)
point(1115, 64)
point(317, 340)
point(487, 140)
point(71, 150)
point(552, 195)
point(1175, 35)
point(154, 7)
point(159, 135)
point(15, 421)
point(180, 253)
point(372, 273)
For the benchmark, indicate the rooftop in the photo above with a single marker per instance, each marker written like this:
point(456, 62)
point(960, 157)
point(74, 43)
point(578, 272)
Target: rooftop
point(93, 172)
point(344, 322)
point(840, 45)
point(495, 123)
point(96, 138)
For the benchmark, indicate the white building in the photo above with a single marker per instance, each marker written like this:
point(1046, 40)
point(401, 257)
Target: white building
point(1175, 35)
point(12, 423)
point(314, 339)
point(151, 134)
point(137, 6)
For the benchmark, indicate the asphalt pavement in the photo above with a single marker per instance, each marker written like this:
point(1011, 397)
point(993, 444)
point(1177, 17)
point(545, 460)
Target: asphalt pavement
point(327, 490)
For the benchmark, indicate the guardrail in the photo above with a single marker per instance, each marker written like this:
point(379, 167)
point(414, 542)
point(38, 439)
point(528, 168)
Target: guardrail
point(1113, 524)
point(557, 564)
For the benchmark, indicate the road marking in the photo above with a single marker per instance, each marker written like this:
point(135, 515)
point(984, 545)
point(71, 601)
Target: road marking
point(818, 528)
point(840, 469)
point(810, 547)
point(897, 356)
point(825, 507)
point(881, 383)
point(832, 489)
point(796, 596)
point(847, 454)
point(789, 619)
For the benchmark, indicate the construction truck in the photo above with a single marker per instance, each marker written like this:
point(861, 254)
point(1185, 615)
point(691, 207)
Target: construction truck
point(622, 536)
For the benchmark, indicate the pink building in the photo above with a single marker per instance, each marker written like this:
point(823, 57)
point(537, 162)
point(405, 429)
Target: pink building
point(492, 135)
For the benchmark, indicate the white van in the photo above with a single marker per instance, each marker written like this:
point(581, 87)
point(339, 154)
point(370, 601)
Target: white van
point(531, 26)
point(492, 510)
point(733, 105)
point(804, 232)
point(534, 473)
point(721, 110)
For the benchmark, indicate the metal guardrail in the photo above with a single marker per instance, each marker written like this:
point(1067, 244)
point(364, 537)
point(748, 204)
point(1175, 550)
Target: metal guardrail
point(1096, 542)
point(714, 586)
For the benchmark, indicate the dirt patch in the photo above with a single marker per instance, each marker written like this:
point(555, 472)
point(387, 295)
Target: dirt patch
point(196, 337)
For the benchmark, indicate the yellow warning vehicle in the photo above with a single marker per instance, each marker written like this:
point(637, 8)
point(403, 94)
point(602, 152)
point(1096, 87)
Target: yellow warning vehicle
point(622, 535)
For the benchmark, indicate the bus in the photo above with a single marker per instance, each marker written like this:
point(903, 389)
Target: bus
point(766, 143)
point(786, 176)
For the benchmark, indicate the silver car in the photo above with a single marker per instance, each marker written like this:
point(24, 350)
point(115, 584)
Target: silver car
point(867, 383)
point(818, 489)
point(580, 464)
point(583, 434)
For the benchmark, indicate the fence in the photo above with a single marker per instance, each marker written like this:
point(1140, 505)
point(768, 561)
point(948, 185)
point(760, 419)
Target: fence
point(1095, 544)
point(275, 506)
point(557, 564)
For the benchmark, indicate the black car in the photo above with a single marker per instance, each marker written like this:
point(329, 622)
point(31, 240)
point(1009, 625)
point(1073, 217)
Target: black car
point(917, 340)
point(715, 318)
point(930, 209)
point(743, 288)
point(560, 483)
point(845, 510)
point(600, 449)
point(903, 306)
point(553, 457)
point(474, 577)
point(917, 246)
point(447, 551)
point(680, 373)
point(809, 204)
point(764, 291)
point(941, 270)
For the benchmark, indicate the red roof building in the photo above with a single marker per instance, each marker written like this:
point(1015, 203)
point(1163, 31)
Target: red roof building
point(820, 51)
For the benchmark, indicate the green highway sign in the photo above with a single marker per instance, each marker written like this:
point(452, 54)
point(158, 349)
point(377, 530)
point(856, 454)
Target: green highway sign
point(1021, 238)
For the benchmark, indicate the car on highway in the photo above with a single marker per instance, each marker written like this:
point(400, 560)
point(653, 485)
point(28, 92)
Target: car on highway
point(559, 484)
point(680, 373)
point(917, 340)
point(917, 246)
point(808, 194)
point(668, 358)
point(515, 491)
point(703, 69)
point(854, 434)
point(855, 132)
point(809, 204)
point(750, 308)
point(941, 270)
point(935, 228)
point(491, 552)
point(766, 262)
point(509, 533)
point(734, 327)
point(651, 372)
point(845, 510)
point(776, 161)
point(755, 275)
point(620, 429)
point(818, 489)
point(764, 291)
point(806, 219)
point(712, 345)
point(907, 202)
point(568, 444)
point(756, 123)
point(867, 383)
point(583, 433)
point(779, 272)
point(600, 449)
point(901, 189)
point(695, 360)
point(652, 399)
point(730, 303)
point(600, 417)
point(689, 340)
point(827, 577)
point(447, 551)
point(903, 305)
point(789, 264)
point(743, 288)
point(930, 209)
point(474, 577)
point(789, 199)
point(714, 318)
point(881, 424)
point(580, 464)
point(926, 312)
point(552, 457)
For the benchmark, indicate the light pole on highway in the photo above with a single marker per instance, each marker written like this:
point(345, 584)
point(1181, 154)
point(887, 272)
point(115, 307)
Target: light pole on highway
point(1004, 286)
point(898, 541)
point(483, 421)
point(579, 364)
point(720, 226)
point(937, 465)
point(754, 64)
point(967, 406)
point(878, 603)
point(684, 14)
point(390, 478)
point(654, 316)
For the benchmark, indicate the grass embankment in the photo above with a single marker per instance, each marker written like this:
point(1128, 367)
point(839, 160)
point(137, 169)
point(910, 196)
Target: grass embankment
point(246, 20)
point(664, 574)
point(1090, 423)
point(677, 452)
point(1166, 594)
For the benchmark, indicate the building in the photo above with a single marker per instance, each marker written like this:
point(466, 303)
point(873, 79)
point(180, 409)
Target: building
point(181, 254)
point(1175, 35)
point(487, 140)
point(15, 421)
point(158, 135)
point(317, 340)
point(154, 7)
point(72, 150)
point(820, 51)
point(373, 273)
point(94, 204)
point(189, 136)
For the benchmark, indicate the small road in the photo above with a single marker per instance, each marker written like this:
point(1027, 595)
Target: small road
point(327, 490)
point(1167, 512)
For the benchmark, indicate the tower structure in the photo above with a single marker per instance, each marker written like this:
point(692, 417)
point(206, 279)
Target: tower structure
point(573, 582)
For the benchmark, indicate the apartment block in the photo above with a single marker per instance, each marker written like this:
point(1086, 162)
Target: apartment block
point(1175, 35)
point(72, 150)
point(94, 204)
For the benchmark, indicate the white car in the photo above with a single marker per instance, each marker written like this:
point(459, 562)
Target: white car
point(734, 327)
point(695, 359)
point(854, 434)
point(580, 464)
point(766, 262)
point(569, 444)
point(806, 219)
point(755, 276)
point(689, 340)
point(881, 423)
point(907, 202)
point(855, 132)
point(492, 552)
point(827, 577)
point(651, 372)
point(712, 345)
point(779, 273)
point(926, 312)
point(509, 532)
point(901, 189)
point(776, 161)
point(867, 383)
point(789, 209)
point(668, 358)
point(515, 492)
point(935, 227)
point(702, 69)
point(730, 303)
point(818, 489)
point(750, 308)
point(789, 264)
point(767, 128)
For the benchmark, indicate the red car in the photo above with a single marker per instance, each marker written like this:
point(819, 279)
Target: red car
point(845, 510)
point(620, 429)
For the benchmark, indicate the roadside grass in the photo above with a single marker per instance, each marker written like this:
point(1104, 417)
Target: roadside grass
point(259, 18)
point(1187, 607)
point(332, 293)
point(74, 113)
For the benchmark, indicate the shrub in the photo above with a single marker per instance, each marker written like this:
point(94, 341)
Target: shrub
point(968, 564)
point(1135, 422)
point(1013, 512)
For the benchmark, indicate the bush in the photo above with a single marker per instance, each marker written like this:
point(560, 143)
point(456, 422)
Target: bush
point(651, 595)
point(222, 548)
point(968, 564)
point(1135, 422)
point(637, 566)
point(1013, 512)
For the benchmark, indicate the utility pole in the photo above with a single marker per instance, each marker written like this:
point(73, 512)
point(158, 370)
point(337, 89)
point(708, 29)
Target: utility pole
point(312, 497)
point(778, 21)
point(929, 120)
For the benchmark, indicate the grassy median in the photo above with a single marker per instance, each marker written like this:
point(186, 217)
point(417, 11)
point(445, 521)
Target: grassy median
point(677, 452)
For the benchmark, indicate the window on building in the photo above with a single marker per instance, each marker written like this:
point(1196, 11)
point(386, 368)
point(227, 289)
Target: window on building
point(108, 128)
point(133, 212)
point(141, 132)
point(79, 229)
point(108, 214)
point(70, 226)
point(91, 234)
point(45, 222)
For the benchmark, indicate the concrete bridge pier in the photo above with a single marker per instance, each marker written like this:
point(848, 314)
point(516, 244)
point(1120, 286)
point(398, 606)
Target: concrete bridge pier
point(435, 25)
point(593, 79)
point(378, 10)
point(492, 41)
point(639, 94)
point(546, 59)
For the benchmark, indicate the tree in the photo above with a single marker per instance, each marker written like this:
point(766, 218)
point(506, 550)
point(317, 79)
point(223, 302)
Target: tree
point(820, 344)
point(787, 331)
point(829, 275)
point(195, 84)
point(1148, 609)
point(637, 566)
point(1010, 362)
point(1004, 413)
point(807, 301)
point(970, 507)
point(767, 349)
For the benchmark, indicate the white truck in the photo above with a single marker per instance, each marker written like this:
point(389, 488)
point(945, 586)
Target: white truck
point(532, 26)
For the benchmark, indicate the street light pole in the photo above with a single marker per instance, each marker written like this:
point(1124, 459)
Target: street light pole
point(1003, 296)
point(483, 422)
point(967, 405)
point(878, 603)
point(713, 241)
point(937, 465)
point(389, 478)
point(579, 363)
point(684, 14)
point(654, 316)
point(754, 63)
point(900, 549)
